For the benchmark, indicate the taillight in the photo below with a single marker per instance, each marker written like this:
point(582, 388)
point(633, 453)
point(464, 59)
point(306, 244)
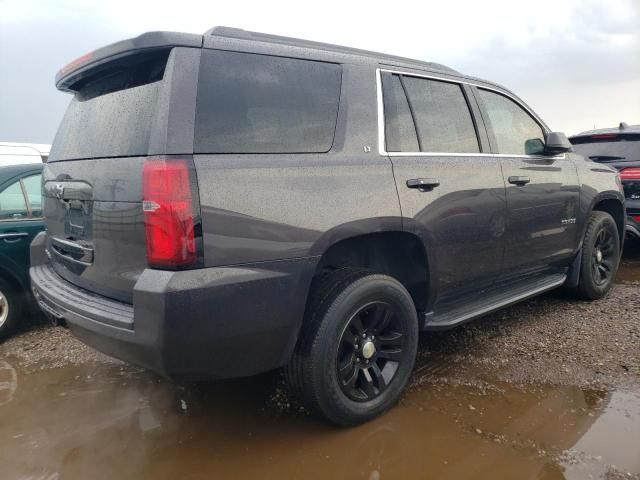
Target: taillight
point(630, 173)
point(169, 213)
point(78, 61)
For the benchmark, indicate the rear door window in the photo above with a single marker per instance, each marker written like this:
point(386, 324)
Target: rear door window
point(442, 116)
point(400, 131)
point(514, 131)
point(250, 103)
point(12, 203)
point(33, 190)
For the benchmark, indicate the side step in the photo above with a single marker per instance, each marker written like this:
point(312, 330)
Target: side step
point(486, 302)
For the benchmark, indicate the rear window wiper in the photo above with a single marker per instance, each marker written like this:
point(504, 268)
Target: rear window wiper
point(606, 158)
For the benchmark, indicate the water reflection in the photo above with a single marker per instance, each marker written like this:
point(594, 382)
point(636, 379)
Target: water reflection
point(119, 422)
point(8, 382)
point(629, 271)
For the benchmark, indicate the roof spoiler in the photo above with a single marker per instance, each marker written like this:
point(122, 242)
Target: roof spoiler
point(89, 63)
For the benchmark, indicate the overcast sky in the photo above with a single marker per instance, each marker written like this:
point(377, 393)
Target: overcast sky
point(576, 62)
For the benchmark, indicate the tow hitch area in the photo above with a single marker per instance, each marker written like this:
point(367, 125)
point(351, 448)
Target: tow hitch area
point(47, 307)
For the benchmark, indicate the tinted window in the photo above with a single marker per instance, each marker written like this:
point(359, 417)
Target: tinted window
point(443, 119)
point(33, 189)
point(261, 104)
point(112, 116)
point(12, 204)
point(400, 132)
point(514, 131)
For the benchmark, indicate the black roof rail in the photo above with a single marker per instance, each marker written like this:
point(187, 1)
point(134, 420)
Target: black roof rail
point(238, 33)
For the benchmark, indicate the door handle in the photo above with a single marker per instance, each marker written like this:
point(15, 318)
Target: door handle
point(519, 181)
point(423, 184)
point(12, 237)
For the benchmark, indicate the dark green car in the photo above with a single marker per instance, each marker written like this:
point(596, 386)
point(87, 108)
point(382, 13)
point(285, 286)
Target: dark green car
point(20, 221)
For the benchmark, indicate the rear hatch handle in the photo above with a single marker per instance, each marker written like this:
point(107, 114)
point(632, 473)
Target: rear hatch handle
point(68, 190)
point(72, 251)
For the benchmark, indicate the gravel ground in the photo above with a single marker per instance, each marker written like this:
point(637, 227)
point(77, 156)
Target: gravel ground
point(39, 345)
point(547, 340)
point(550, 339)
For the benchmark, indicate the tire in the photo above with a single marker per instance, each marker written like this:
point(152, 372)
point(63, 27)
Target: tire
point(11, 307)
point(600, 256)
point(356, 321)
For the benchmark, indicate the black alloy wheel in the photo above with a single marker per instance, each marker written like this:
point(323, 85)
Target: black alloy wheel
point(370, 351)
point(601, 250)
point(357, 347)
point(604, 257)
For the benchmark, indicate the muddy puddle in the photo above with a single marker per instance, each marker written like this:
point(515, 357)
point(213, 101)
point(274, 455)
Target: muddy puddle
point(119, 422)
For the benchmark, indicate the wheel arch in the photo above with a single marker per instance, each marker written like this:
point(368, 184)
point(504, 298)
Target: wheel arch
point(613, 204)
point(380, 244)
point(8, 276)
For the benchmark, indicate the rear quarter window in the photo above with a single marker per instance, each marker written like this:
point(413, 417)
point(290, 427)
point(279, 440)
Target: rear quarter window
point(250, 103)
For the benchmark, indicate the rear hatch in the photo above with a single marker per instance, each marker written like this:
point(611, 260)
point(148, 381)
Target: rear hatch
point(117, 121)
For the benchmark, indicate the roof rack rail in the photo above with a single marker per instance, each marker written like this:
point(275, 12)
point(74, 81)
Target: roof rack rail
point(238, 33)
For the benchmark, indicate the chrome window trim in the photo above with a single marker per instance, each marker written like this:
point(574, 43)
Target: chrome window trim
point(381, 127)
point(382, 148)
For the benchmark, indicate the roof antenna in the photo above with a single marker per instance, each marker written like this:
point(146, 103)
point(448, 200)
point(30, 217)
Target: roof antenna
point(623, 125)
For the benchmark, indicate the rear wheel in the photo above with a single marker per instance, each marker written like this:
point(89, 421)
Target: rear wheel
point(10, 308)
point(357, 348)
point(600, 256)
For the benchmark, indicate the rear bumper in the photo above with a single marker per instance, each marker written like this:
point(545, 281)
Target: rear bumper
point(633, 228)
point(202, 324)
point(633, 210)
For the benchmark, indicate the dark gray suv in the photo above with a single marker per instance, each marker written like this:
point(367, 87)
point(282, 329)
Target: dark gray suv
point(224, 204)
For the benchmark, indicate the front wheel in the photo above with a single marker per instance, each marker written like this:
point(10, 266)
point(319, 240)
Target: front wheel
point(357, 348)
point(600, 256)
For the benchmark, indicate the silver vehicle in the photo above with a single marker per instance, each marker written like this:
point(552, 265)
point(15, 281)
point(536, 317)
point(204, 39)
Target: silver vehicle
point(23, 153)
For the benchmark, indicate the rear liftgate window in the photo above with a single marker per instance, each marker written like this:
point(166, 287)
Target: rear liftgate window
point(609, 147)
point(111, 114)
point(251, 103)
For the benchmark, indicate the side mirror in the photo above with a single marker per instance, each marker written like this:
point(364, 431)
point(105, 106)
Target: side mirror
point(557, 142)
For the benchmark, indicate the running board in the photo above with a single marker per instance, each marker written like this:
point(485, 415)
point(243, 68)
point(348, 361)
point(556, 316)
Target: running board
point(483, 305)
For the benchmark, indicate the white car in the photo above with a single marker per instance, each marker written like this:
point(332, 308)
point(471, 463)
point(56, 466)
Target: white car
point(23, 153)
